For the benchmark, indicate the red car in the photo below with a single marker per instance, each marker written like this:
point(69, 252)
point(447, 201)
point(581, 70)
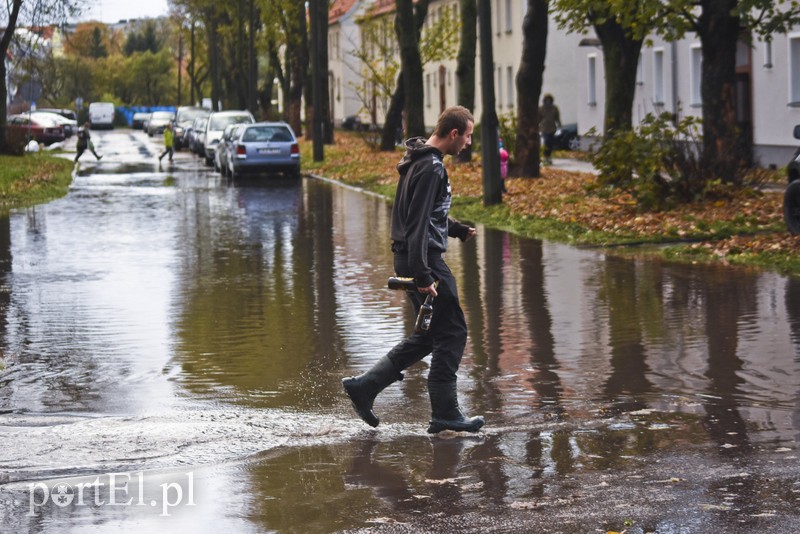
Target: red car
point(39, 128)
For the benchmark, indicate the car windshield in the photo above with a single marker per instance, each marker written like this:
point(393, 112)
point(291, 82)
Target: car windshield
point(263, 134)
point(187, 115)
point(220, 122)
point(162, 116)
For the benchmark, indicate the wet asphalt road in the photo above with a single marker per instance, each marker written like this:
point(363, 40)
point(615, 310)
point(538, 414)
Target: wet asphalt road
point(174, 344)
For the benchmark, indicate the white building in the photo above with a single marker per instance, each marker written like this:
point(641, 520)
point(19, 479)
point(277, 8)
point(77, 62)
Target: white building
point(343, 71)
point(354, 21)
point(767, 86)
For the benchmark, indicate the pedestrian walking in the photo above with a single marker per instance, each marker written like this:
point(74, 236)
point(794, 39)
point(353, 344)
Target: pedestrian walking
point(85, 142)
point(549, 122)
point(420, 228)
point(168, 142)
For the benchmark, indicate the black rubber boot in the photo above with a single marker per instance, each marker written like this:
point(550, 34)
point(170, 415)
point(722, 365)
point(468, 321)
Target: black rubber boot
point(363, 389)
point(445, 412)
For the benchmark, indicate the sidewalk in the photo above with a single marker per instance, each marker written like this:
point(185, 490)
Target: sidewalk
point(572, 165)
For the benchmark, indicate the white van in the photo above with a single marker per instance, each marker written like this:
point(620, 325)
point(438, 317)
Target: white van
point(101, 115)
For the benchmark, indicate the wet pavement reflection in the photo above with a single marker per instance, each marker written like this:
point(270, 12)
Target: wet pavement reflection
point(187, 335)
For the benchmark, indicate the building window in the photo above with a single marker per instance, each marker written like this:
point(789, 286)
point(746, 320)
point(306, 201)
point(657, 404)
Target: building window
point(697, 75)
point(499, 21)
point(510, 86)
point(658, 76)
point(639, 71)
point(794, 70)
point(591, 84)
point(509, 17)
point(499, 87)
point(768, 54)
point(428, 90)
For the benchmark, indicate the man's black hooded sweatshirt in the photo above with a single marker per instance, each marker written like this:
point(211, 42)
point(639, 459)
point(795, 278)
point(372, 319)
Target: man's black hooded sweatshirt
point(420, 222)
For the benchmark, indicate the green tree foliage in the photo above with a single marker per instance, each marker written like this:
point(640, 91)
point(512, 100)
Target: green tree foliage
point(150, 78)
point(143, 40)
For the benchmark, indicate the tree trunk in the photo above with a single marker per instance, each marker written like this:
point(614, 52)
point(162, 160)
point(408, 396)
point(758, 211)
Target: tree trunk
point(411, 65)
point(297, 56)
point(322, 50)
point(5, 42)
point(213, 61)
point(394, 116)
point(529, 88)
point(465, 69)
point(719, 35)
point(620, 61)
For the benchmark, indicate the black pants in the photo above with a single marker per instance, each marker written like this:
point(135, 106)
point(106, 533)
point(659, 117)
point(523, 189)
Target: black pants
point(549, 141)
point(447, 336)
point(81, 150)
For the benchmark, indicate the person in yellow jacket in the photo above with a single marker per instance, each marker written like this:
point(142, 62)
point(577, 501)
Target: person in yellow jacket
point(168, 140)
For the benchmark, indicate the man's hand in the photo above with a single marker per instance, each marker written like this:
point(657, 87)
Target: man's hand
point(430, 290)
point(471, 232)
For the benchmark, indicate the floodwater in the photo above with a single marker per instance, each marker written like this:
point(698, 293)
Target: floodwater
point(174, 346)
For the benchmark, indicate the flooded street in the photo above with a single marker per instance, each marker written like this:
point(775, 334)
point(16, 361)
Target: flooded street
point(174, 344)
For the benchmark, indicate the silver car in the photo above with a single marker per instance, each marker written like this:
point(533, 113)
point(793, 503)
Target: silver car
point(221, 154)
point(217, 122)
point(264, 147)
point(197, 135)
point(158, 121)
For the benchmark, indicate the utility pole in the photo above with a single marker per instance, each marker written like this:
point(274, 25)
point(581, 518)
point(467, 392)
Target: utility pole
point(252, 78)
point(489, 143)
point(191, 67)
point(180, 60)
point(316, 79)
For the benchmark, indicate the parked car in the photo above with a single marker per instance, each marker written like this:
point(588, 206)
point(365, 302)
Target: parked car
point(791, 197)
point(184, 118)
point(198, 133)
point(139, 120)
point(353, 122)
point(158, 121)
point(42, 129)
point(221, 154)
point(101, 115)
point(70, 125)
point(66, 113)
point(216, 124)
point(264, 147)
point(567, 138)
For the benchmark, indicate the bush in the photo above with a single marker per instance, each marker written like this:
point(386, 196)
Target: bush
point(659, 164)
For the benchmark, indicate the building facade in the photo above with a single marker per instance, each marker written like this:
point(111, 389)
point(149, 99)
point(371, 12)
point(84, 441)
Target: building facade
point(365, 60)
point(668, 80)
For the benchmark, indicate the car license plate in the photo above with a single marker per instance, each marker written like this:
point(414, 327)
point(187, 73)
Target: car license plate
point(269, 150)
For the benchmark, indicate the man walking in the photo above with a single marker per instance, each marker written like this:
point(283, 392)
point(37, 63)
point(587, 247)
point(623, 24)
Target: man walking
point(84, 143)
point(420, 228)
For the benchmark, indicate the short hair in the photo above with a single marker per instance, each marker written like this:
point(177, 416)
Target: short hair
point(455, 117)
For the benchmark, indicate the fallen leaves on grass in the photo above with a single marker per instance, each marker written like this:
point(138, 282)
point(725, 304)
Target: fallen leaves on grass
point(748, 221)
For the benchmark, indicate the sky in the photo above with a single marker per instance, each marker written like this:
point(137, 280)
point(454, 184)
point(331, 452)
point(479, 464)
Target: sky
point(114, 10)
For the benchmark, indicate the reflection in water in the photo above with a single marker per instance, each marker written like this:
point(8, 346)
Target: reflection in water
point(627, 384)
point(726, 303)
point(134, 295)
